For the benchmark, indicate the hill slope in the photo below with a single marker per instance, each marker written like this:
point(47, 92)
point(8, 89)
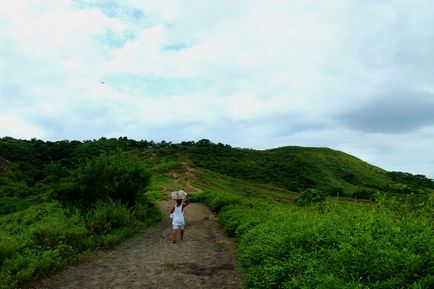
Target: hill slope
point(290, 169)
point(299, 168)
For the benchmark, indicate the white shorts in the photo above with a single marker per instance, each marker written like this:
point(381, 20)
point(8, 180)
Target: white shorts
point(178, 227)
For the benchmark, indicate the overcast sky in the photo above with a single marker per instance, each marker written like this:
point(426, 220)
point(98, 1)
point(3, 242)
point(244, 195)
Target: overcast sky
point(356, 76)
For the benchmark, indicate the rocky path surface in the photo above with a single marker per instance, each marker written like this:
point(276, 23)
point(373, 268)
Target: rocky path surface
point(204, 259)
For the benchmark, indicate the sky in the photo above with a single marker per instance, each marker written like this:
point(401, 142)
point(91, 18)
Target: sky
point(355, 76)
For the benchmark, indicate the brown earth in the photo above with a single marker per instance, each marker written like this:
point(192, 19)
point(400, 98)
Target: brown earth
point(204, 259)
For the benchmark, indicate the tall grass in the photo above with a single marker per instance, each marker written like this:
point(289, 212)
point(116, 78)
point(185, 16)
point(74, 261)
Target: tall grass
point(330, 246)
point(46, 238)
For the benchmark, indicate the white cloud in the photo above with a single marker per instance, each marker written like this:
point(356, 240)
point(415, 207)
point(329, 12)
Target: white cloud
point(56, 30)
point(250, 73)
point(20, 127)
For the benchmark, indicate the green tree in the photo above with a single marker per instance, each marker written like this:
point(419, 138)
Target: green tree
point(119, 176)
point(310, 196)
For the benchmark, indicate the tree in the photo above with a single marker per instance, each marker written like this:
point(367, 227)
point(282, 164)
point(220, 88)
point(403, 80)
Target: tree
point(118, 176)
point(309, 196)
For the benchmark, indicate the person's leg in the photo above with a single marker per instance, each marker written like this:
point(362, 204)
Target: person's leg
point(174, 235)
point(182, 234)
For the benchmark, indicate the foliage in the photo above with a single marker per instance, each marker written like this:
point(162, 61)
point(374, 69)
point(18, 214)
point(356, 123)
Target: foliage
point(300, 168)
point(341, 246)
point(334, 245)
point(119, 177)
point(17, 195)
point(407, 205)
point(413, 181)
point(215, 200)
point(106, 217)
point(37, 237)
point(46, 238)
point(293, 169)
point(309, 197)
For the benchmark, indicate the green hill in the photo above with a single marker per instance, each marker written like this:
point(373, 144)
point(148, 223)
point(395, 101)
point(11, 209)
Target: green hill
point(34, 166)
point(282, 243)
point(298, 168)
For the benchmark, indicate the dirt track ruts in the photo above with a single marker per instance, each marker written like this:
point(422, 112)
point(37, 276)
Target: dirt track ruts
point(204, 259)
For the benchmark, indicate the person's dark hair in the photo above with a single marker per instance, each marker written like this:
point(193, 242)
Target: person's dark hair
point(178, 202)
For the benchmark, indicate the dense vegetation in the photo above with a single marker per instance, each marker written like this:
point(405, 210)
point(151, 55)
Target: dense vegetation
point(59, 200)
point(117, 177)
point(300, 168)
point(328, 245)
point(58, 209)
point(318, 242)
point(29, 169)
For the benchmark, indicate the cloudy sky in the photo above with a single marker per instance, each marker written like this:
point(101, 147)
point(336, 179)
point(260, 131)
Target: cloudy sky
point(356, 76)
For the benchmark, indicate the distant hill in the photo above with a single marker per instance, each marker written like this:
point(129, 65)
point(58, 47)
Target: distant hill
point(289, 168)
point(298, 168)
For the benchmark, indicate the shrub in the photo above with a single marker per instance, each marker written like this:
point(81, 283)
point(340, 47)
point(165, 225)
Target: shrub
point(309, 197)
point(46, 238)
point(115, 238)
point(349, 247)
point(365, 193)
point(197, 197)
point(15, 189)
point(8, 246)
point(342, 246)
point(236, 220)
point(107, 216)
point(147, 212)
point(119, 177)
point(217, 201)
point(58, 228)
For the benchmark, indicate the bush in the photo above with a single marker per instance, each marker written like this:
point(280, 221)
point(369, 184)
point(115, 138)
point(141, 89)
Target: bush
point(215, 200)
point(119, 177)
point(309, 197)
point(351, 247)
point(8, 246)
point(236, 220)
point(341, 246)
point(45, 238)
point(197, 197)
point(15, 189)
point(58, 228)
point(115, 238)
point(147, 212)
point(367, 194)
point(107, 216)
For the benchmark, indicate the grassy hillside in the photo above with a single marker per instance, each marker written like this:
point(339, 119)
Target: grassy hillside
point(33, 167)
point(299, 168)
point(50, 223)
point(329, 245)
point(280, 244)
point(335, 243)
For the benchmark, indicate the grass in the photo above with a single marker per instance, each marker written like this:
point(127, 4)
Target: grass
point(333, 244)
point(339, 243)
point(45, 238)
point(329, 246)
point(208, 180)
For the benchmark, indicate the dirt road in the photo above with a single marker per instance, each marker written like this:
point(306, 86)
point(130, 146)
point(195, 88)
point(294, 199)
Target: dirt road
point(204, 259)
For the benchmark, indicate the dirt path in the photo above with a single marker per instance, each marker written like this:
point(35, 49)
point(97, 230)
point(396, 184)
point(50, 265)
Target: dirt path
point(204, 259)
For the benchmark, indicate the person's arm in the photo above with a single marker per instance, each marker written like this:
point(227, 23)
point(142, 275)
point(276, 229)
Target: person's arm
point(186, 203)
point(172, 210)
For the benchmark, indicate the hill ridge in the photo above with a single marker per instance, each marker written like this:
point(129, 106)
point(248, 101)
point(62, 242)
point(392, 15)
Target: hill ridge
point(292, 168)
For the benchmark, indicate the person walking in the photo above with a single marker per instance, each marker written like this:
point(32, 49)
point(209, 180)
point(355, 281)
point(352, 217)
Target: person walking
point(178, 220)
